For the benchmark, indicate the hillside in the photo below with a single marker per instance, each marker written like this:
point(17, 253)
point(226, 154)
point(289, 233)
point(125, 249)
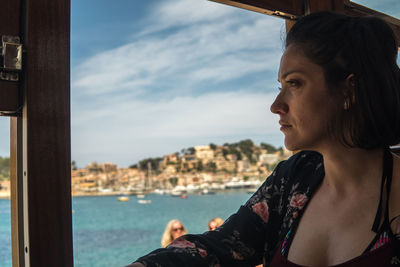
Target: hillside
point(4, 168)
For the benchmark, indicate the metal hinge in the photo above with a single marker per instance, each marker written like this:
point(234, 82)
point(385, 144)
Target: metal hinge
point(10, 58)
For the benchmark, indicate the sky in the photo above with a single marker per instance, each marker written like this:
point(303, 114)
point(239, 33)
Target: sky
point(151, 77)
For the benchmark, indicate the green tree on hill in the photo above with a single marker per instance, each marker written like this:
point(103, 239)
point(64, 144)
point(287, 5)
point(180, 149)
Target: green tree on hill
point(173, 181)
point(233, 151)
point(188, 151)
point(268, 147)
point(154, 164)
point(211, 167)
point(133, 166)
point(200, 166)
point(213, 146)
point(4, 168)
point(246, 147)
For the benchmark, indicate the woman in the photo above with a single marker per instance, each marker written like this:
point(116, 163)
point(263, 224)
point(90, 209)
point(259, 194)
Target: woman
point(336, 203)
point(214, 223)
point(173, 230)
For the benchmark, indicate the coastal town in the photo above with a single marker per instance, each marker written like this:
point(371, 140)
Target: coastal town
point(203, 169)
point(200, 169)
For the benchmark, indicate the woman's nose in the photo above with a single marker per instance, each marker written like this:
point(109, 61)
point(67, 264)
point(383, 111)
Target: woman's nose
point(279, 106)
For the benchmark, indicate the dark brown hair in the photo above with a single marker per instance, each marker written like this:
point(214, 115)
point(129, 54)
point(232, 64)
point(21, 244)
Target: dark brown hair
point(365, 47)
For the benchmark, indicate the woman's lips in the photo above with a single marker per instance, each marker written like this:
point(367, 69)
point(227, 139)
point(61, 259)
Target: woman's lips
point(284, 125)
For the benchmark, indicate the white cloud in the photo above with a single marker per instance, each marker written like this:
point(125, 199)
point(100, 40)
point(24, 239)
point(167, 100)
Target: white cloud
point(172, 13)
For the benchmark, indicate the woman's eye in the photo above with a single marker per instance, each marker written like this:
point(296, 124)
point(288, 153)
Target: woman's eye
point(289, 84)
point(293, 83)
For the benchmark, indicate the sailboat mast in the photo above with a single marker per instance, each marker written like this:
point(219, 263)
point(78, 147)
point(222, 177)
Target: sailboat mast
point(148, 184)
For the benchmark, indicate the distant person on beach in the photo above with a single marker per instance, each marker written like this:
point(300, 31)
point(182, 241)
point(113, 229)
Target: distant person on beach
point(173, 230)
point(336, 202)
point(214, 223)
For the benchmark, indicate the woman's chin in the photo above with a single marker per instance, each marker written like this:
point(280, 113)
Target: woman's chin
point(291, 145)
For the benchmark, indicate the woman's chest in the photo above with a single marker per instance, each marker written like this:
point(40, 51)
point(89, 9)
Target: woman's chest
point(332, 231)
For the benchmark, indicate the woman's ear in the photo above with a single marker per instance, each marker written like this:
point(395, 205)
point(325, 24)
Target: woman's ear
point(349, 88)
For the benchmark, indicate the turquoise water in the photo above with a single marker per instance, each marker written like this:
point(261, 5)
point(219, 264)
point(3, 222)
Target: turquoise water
point(5, 233)
point(109, 233)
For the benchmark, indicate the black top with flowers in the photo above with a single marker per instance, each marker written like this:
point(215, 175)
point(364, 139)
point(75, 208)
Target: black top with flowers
point(252, 235)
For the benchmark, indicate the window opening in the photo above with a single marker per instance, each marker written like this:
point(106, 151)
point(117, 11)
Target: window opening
point(155, 96)
point(5, 209)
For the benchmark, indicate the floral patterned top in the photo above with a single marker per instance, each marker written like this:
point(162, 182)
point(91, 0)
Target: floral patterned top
point(252, 235)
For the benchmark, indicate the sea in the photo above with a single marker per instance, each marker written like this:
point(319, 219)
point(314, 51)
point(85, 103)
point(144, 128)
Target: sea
point(111, 233)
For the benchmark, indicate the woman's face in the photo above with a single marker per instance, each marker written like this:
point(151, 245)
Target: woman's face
point(176, 230)
point(305, 105)
point(212, 226)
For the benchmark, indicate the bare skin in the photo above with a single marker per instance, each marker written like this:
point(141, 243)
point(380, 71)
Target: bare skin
point(212, 226)
point(336, 225)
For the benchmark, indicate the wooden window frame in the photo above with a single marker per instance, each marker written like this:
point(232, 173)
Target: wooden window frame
point(39, 106)
point(292, 9)
point(40, 145)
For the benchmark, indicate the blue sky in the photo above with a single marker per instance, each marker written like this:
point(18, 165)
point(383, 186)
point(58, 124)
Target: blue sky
point(150, 77)
point(170, 75)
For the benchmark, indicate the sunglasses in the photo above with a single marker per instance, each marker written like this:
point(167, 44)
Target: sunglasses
point(177, 229)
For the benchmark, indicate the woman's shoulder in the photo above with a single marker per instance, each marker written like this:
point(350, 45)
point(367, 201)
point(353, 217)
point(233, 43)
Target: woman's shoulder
point(301, 160)
point(303, 170)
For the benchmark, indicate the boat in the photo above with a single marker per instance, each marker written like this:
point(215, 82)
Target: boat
point(183, 196)
point(217, 186)
point(159, 191)
point(123, 198)
point(178, 191)
point(144, 201)
point(235, 183)
point(141, 196)
point(205, 191)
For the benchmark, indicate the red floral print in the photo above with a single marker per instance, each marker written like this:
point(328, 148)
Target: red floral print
point(298, 201)
point(261, 208)
point(295, 214)
point(181, 243)
point(202, 252)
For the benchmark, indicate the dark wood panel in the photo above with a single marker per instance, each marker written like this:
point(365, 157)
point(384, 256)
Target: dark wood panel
point(9, 19)
point(47, 115)
point(323, 5)
point(9, 25)
point(289, 24)
point(9, 97)
point(285, 8)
